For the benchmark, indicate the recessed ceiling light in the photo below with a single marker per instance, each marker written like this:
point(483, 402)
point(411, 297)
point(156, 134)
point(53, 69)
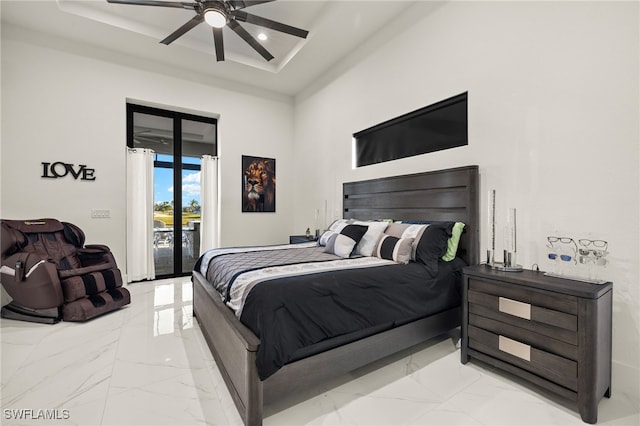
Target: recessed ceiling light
point(262, 36)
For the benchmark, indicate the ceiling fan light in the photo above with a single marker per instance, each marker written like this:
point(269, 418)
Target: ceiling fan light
point(215, 18)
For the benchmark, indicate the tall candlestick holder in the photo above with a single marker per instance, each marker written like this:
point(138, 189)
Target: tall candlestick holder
point(491, 218)
point(509, 263)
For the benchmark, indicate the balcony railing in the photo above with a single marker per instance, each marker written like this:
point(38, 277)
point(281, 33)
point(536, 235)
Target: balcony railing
point(164, 244)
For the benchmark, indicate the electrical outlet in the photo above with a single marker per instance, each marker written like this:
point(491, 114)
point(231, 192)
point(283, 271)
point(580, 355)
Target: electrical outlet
point(100, 213)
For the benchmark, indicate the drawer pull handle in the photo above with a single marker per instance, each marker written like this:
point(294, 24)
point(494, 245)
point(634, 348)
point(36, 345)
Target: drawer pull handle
point(514, 348)
point(515, 308)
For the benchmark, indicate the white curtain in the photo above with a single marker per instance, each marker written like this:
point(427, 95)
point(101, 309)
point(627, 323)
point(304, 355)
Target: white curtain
point(209, 203)
point(140, 262)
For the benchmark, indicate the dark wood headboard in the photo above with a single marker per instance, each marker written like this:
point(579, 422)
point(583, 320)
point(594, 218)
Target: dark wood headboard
point(442, 195)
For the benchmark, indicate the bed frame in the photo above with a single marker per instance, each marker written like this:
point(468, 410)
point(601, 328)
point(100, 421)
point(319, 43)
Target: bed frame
point(447, 195)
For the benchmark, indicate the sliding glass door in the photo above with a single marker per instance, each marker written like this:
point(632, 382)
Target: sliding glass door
point(179, 141)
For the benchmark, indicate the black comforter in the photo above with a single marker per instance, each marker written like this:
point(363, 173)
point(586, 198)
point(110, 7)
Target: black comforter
point(293, 313)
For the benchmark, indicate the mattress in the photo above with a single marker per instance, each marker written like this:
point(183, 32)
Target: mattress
point(300, 301)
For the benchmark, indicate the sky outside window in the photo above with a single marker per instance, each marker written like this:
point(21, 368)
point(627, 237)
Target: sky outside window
point(163, 181)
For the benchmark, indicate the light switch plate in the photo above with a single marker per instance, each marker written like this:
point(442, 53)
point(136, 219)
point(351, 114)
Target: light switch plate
point(100, 213)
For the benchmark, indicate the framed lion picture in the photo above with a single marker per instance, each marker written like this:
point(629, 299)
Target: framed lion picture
point(258, 184)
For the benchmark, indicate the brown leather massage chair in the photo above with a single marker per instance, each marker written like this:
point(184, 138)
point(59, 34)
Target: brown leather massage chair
point(51, 275)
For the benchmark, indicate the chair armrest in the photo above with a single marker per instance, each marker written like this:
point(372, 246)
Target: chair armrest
point(37, 285)
point(22, 265)
point(66, 273)
point(96, 248)
point(96, 254)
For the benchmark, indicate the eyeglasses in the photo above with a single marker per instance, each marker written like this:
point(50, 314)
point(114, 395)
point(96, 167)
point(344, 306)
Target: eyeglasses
point(564, 257)
point(588, 251)
point(601, 244)
point(594, 258)
point(561, 256)
point(596, 255)
point(599, 250)
point(561, 239)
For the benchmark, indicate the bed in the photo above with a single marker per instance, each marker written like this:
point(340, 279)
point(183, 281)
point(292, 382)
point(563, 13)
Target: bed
point(444, 195)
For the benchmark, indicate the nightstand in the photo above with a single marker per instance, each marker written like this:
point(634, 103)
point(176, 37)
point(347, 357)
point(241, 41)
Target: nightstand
point(555, 333)
point(297, 239)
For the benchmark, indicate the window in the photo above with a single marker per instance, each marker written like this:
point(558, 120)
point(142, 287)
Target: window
point(439, 126)
point(179, 140)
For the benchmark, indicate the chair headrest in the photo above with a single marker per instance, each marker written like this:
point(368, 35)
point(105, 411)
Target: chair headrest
point(72, 234)
point(11, 240)
point(35, 225)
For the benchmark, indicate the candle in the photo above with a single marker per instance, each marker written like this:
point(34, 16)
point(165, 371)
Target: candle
point(492, 219)
point(512, 229)
point(511, 234)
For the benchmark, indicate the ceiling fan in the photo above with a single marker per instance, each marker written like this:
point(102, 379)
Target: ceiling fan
point(218, 14)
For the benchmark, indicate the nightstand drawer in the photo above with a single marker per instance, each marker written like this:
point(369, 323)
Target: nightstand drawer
point(542, 341)
point(552, 301)
point(492, 312)
point(552, 367)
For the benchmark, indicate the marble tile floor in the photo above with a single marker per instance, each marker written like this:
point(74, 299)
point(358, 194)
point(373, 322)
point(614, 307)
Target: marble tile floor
point(148, 364)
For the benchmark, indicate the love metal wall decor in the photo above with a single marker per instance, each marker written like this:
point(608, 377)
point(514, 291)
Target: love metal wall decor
point(60, 169)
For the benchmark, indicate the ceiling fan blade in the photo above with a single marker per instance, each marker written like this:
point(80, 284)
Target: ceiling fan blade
point(240, 4)
point(183, 29)
point(181, 5)
point(237, 28)
point(218, 41)
point(243, 16)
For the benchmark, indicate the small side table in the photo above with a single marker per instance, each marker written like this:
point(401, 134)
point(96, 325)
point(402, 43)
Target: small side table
point(297, 239)
point(553, 332)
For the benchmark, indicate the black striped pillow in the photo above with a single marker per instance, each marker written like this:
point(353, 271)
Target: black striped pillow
point(394, 248)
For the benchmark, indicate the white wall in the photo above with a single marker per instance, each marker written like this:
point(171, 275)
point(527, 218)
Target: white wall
point(58, 106)
point(553, 124)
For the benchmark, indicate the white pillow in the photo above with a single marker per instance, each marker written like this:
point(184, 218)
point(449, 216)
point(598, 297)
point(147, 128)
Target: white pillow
point(368, 243)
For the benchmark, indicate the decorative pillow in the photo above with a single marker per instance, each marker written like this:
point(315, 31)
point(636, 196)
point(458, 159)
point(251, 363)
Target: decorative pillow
point(452, 243)
point(335, 228)
point(329, 242)
point(368, 242)
point(342, 244)
point(338, 224)
point(407, 230)
point(433, 245)
point(396, 229)
point(394, 248)
point(324, 238)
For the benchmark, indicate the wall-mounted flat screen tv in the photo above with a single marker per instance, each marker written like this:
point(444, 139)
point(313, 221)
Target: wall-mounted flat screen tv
point(439, 126)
